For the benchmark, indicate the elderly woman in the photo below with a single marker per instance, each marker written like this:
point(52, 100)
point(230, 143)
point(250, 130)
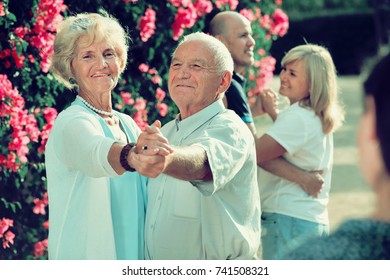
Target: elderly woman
point(97, 203)
point(302, 134)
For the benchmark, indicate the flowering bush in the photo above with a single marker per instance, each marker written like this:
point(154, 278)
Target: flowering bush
point(30, 97)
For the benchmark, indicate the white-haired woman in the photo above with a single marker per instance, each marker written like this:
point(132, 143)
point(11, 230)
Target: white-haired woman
point(97, 208)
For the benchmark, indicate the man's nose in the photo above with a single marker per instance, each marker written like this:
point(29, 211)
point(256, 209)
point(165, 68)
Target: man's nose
point(184, 73)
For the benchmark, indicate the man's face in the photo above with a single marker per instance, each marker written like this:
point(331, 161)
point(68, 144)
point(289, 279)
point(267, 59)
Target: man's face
point(238, 39)
point(193, 81)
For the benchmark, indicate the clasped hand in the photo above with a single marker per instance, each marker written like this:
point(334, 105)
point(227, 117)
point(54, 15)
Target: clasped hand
point(152, 150)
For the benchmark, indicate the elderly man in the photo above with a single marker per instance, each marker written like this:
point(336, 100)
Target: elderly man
point(205, 204)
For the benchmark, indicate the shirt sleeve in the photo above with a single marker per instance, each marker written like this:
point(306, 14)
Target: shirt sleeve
point(227, 149)
point(82, 145)
point(289, 130)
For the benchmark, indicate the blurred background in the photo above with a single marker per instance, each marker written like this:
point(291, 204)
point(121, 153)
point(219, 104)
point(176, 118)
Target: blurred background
point(354, 31)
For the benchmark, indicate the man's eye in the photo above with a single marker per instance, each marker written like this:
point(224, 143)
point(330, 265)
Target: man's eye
point(196, 66)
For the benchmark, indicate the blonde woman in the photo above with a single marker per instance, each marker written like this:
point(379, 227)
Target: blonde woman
point(368, 238)
point(301, 135)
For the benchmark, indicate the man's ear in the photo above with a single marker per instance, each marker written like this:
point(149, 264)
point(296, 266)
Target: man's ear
point(221, 38)
point(371, 115)
point(225, 82)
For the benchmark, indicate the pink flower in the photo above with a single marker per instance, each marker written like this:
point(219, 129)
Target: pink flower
point(203, 7)
point(140, 104)
point(2, 13)
point(42, 33)
point(39, 207)
point(147, 24)
point(265, 22)
point(249, 14)
point(126, 97)
point(185, 18)
point(143, 67)
point(21, 31)
point(41, 204)
point(7, 235)
point(280, 23)
point(5, 53)
point(160, 94)
point(50, 114)
point(232, 3)
point(5, 224)
point(180, 3)
point(152, 71)
point(40, 248)
point(162, 108)
point(19, 59)
point(261, 52)
point(266, 67)
point(156, 79)
point(46, 225)
point(141, 115)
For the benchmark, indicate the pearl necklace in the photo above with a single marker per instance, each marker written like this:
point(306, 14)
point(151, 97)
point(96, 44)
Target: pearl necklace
point(93, 108)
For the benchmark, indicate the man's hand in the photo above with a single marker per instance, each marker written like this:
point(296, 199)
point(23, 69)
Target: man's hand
point(152, 142)
point(312, 183)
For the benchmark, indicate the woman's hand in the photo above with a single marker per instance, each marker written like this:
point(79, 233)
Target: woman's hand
point(269, 102)
point(152, 142)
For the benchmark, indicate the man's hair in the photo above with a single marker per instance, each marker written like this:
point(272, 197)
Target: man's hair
point(222, 58)
point(377, 85)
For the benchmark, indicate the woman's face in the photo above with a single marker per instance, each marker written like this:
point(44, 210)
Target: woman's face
point(293, 81)
point(95, 67)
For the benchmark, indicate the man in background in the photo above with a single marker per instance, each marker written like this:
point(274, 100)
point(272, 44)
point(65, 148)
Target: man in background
point(235, 32)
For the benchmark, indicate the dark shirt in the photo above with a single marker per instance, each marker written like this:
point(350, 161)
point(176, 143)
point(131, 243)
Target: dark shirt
point(353, 240)
point(237, 99)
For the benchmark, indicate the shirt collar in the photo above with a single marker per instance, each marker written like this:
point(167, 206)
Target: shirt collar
point(240, 79)
point(191, 123)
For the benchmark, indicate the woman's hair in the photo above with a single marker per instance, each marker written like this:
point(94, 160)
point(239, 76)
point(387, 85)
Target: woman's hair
point(222, 57)
point(377, 85)
point(96, 27)
point(322, 79)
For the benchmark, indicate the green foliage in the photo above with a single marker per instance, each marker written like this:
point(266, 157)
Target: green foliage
point(297, 10)
point(23, 188)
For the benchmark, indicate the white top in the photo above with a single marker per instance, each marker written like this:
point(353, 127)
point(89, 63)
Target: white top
point(78, 174)
point(299, 131)
point(219, 219)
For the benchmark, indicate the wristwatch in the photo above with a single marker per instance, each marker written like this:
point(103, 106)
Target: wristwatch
point(123, 157)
